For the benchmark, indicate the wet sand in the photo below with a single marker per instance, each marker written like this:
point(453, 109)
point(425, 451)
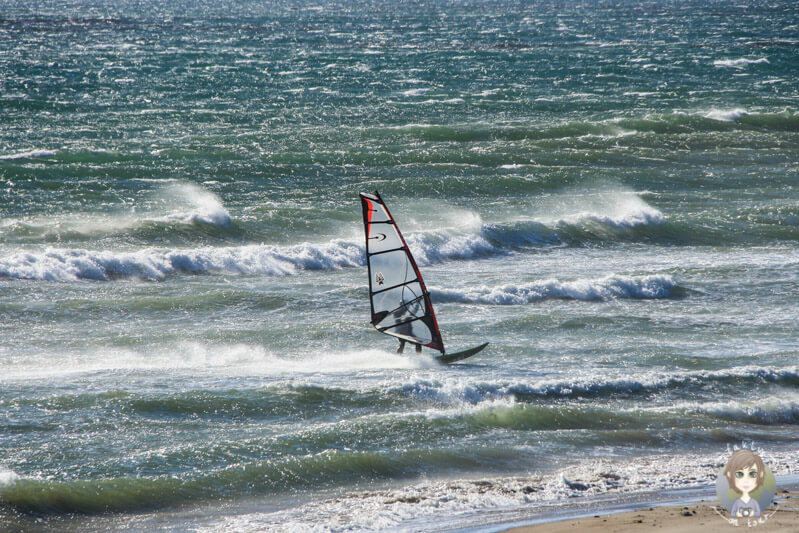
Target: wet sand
point(700, 517)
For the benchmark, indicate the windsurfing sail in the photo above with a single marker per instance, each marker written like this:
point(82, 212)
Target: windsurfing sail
point(400, 302)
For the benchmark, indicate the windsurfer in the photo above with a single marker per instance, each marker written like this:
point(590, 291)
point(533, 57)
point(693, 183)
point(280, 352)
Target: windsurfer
point(402, 347)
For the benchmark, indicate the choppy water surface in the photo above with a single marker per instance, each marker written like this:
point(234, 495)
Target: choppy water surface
point(605, 191)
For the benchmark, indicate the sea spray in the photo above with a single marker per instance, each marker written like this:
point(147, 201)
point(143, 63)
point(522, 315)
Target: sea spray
point(193, 204)
point(7, 479)
point(740, 62)
point(726, 115)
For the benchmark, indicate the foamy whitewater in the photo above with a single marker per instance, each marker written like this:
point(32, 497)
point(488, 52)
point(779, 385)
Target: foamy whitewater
point(604, 192)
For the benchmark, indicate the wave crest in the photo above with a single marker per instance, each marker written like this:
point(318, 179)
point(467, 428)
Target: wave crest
point(726, 115)
point(457, 392)
point(608, 288)
point(8, 478)
point(198, 206)
point(438, 247)
point(768, 411)
point(738, 63)
point(59, 264)
point(31, 154)
point(69, 265)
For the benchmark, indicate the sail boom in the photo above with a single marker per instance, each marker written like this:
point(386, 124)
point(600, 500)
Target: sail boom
point(411, 302)
point(394, 287)
point(386, 251)
point(384, 328)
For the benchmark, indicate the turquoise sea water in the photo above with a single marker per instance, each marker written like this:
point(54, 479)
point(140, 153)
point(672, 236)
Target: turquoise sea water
point(604, 191)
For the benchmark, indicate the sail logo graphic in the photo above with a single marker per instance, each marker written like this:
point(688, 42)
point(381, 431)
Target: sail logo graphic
point(380, 279)
point(746, 488)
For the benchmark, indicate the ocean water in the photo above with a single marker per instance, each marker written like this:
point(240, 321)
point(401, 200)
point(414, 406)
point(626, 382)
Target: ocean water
point(607, 192)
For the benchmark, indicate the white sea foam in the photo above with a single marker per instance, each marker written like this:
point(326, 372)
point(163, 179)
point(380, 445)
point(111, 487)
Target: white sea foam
point(412, 126)
point(155, 264)
point(28, 155)
point(608, 288)
point(625, 215)
point(452, 101)
point(8, 479)
point(59, 264)
point(432, 248)
point(726, 115)
point(609, 205)
point(206, 358)
point(783, 409)
point(615, 133)
point(415, 92)
point(738, 63)
point(452, 391)
point(445, 390)
point(194, 204)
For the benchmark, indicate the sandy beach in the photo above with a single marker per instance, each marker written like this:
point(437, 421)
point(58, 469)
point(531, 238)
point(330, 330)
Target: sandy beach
point(692, 518)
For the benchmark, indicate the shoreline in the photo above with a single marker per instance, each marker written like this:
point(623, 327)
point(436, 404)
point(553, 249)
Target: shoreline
point(695, 511)
point(680, 510)
point(693, 518)
point(623, 512)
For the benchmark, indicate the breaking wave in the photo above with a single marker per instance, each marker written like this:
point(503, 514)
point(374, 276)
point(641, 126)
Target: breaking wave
point(61, 264)
point(767, 411)
point(606, 217)
point(738, 63)
point(728, 115)
point(457, 392)
point(199, 206)
point(129, 493)
point(31, 154)
point(439, 247)
point(65, 265)
point(179, 211)
point(645, 216)
point(609, 288)
point(610, 219)
point(7, 479)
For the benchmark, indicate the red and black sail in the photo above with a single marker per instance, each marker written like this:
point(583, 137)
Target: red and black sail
point(400, 302)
